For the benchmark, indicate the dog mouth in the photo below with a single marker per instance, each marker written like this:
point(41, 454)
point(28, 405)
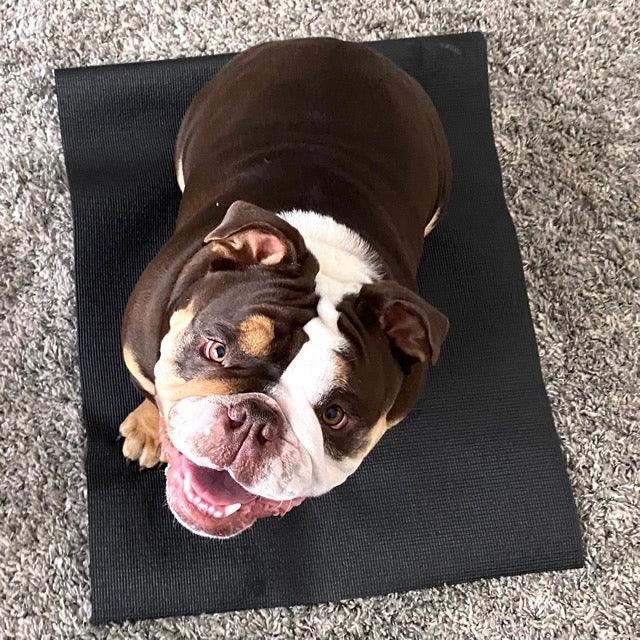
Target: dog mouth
point(210, 502)
point(213, 492)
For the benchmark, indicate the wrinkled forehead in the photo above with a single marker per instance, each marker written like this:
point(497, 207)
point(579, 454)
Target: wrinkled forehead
point(258, 320)
point(256, 356)
point(235, 295)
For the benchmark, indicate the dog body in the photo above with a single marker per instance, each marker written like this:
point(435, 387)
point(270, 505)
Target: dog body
point(278, 331)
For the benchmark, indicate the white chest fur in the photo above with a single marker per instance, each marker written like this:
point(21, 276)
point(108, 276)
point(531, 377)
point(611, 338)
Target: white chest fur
point(346, 260)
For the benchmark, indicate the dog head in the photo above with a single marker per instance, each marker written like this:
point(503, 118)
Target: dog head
point(272, 385)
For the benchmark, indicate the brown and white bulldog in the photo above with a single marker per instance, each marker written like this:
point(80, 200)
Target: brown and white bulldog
point(277, 335)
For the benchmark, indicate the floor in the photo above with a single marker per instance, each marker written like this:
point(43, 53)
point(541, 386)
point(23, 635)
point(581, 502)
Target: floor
point(564, 80)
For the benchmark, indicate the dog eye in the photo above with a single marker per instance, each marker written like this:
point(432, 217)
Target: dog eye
point(334, 416)
point(213, 350)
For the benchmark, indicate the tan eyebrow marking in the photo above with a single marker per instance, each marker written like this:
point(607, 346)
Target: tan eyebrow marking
point(170, 386)
point(255, 334)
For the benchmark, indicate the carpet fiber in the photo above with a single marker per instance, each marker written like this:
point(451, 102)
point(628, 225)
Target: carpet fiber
point(564, 85)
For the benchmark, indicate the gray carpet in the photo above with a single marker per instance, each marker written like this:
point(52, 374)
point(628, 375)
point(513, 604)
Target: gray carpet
point(564, 89)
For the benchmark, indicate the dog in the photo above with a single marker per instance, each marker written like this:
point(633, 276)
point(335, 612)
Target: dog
point(278, 334)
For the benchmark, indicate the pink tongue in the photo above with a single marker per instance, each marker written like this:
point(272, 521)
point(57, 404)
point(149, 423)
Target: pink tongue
point(216, 487)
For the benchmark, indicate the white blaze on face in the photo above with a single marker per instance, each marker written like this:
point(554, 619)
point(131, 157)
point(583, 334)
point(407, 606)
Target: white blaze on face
point(346, 263)
point(309, 379)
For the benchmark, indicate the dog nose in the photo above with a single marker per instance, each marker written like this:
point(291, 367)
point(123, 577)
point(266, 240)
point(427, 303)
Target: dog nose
point(256, 418)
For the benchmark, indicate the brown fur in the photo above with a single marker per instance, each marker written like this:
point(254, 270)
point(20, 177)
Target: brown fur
point(300, 127)
point(300, 141)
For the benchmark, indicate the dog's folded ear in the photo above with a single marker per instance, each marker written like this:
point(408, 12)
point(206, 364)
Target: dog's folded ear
point(414, 328)
point(250, 235)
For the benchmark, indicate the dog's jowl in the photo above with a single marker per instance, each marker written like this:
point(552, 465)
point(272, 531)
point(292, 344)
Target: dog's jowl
point(277, 335)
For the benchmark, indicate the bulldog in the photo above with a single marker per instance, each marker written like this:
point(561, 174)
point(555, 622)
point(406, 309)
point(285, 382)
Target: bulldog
point(278, 334)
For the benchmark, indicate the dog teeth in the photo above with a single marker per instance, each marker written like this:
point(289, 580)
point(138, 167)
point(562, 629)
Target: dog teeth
point(232, 508)
point(211, 510)
point(187, 485)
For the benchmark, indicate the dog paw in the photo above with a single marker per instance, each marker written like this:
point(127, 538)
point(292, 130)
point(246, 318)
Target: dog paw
point(141, 436)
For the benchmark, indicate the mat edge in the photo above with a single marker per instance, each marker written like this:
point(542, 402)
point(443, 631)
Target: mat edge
point(99, 621)
point(60, 72)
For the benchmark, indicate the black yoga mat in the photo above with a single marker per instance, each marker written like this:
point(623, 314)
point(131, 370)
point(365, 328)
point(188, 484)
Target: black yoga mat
point(473, 484)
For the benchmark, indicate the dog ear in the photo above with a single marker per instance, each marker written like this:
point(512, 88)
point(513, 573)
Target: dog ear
point(415, 329)
point(251, 235)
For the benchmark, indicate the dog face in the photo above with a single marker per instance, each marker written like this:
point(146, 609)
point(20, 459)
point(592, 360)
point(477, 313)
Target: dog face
point(270, 390)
